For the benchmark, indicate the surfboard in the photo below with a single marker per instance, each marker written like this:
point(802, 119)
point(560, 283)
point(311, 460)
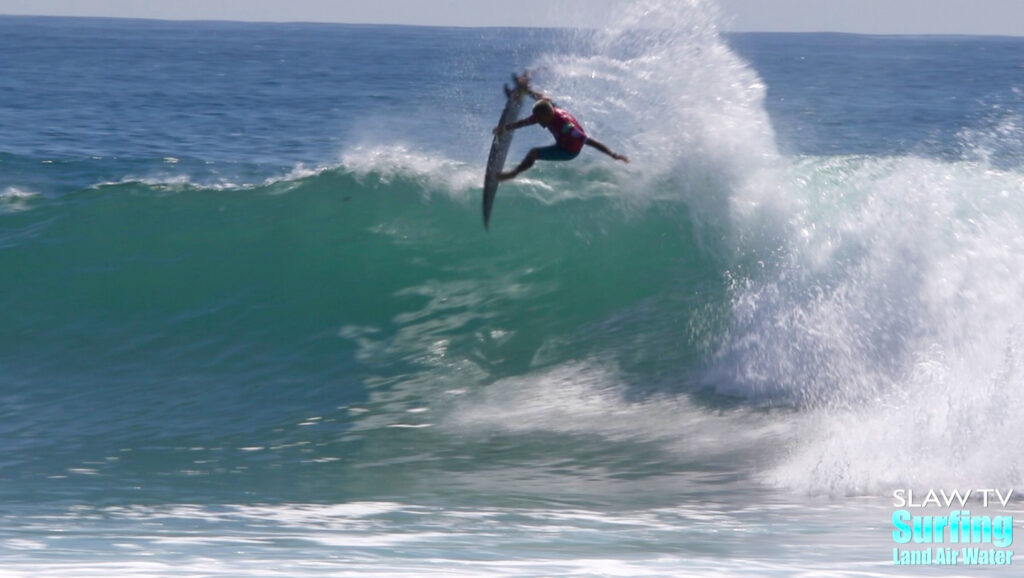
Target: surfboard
point(500, 145)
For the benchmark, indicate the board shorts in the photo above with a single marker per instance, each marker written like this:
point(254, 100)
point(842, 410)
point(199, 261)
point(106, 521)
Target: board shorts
point(555, 153)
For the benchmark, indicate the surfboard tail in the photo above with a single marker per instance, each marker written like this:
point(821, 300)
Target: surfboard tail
point(490, 191)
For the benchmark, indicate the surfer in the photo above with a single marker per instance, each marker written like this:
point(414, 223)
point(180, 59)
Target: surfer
point(570, 137)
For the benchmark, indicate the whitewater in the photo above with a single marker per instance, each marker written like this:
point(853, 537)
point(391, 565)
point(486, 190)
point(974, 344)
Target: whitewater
point(253, 325)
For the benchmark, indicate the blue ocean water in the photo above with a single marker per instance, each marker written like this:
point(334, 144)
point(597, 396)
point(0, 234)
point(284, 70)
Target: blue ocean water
point(252, 324)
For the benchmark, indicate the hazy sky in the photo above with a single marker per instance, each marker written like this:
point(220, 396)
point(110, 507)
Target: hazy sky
point(1004, 17)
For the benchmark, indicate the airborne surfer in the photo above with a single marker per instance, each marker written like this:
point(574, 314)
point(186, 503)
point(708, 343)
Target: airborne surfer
point(570, 137)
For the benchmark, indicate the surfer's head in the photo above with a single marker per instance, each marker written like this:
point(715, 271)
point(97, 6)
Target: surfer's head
point(544, 110)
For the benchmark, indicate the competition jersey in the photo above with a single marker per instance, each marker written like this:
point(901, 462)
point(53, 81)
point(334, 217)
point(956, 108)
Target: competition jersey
point(568, 131)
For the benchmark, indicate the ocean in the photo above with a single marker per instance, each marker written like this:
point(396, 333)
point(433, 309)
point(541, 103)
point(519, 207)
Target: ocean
point(252, 324)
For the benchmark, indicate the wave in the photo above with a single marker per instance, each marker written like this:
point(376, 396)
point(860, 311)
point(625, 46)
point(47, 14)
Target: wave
point(890, 313)
point(820, 306)
point(884, 307)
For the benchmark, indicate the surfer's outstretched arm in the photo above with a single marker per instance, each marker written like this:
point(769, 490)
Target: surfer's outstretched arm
point(517, 124)
point(536, 95)
point(601, 147)
point(523, 83)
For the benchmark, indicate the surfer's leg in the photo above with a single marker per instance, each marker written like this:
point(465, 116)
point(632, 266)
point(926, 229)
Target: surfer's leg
point(531, 157)
point(555, 153)
point(548, 153)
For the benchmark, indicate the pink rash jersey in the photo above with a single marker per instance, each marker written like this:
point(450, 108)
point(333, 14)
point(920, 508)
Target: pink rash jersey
point(568, 131)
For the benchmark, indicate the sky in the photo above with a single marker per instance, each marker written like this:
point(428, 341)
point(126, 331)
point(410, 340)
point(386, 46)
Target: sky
point(1002, 17)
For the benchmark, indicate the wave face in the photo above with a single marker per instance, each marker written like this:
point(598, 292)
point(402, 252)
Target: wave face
point(148, 313)
point(754, 304)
